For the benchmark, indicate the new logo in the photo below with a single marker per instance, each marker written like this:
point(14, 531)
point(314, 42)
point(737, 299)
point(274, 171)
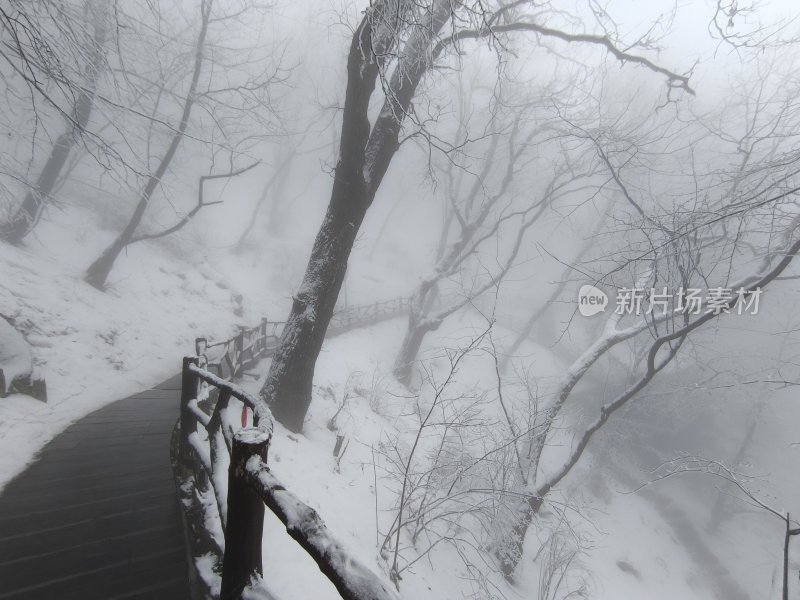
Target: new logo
point(591, 300)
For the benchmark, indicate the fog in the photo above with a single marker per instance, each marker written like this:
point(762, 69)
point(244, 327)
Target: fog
point(575, 224)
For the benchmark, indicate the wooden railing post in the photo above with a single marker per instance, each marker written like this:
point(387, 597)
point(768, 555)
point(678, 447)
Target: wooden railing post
point(245, 526)
point(263, 334)
point(238, 348)
point(200, 349)
point(189, 386)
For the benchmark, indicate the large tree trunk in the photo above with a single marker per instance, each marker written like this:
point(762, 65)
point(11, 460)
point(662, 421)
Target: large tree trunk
point(288, 385)
point(509, 548)
point(98, 271)
point(364, 157)
point(27, 215)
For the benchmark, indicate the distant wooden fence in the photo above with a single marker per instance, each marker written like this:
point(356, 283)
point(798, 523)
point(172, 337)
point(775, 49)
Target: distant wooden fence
point(232, 465)
point(231, 357)
point(368, 314)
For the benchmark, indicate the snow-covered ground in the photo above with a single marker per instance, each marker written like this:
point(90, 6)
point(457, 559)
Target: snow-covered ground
point(96, 347)
point(632, 545)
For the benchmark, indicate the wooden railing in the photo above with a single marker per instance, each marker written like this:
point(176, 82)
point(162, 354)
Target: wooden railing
point(358, 316)
point(216, 461)
point(232, 356)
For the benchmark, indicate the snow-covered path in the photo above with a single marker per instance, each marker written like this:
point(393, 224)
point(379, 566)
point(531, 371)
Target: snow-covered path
point(97, 516)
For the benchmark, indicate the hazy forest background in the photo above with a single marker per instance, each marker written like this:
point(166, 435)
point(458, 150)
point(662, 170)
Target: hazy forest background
point(175, 169)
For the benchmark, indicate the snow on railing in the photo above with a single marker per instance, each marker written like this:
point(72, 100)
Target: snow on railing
point(252, 485)
point(232, 466)
point(205, 440)
point(232, 356)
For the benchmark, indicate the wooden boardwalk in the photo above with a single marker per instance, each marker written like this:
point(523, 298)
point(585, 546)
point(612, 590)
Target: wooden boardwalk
point(97, 515)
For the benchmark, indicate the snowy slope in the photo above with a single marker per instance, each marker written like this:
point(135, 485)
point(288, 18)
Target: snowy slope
point(631, 547)
point(95, 347)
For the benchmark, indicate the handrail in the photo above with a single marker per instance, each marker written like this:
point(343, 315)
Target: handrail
point(250, 484)
point(261, 412)
point(237, 353)
point(352, 579)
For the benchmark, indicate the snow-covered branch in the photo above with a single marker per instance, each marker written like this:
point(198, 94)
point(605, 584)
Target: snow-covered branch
point(655, 363)
point(674, 80)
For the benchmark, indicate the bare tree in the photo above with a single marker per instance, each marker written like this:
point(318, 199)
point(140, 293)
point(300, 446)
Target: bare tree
point(98, 271)
point(37, 38)
point(396, 44)
point(210, 96)
point(683, 251)
point(483, 216)
point(274, 188)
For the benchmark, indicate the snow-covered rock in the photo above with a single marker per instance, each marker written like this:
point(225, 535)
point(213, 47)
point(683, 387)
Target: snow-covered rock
point(16, 360)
